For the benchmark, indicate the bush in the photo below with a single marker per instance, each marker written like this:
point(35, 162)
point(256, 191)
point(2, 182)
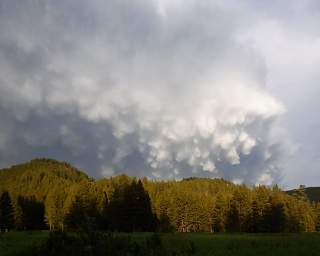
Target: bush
point(95, 243)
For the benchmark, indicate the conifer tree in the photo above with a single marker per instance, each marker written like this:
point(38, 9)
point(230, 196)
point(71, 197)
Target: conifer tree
point(317, 212)
point(254, 223)
point(6, 212)
point(130, 209)
point(233, 218)
point(219, 214)
point(32, 213)
point(83, 205)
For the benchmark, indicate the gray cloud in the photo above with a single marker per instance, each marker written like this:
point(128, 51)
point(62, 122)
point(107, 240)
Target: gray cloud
point(288, 36)
point(149, 88)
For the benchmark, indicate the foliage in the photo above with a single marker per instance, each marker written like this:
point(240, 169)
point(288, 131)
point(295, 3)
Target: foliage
point(97, 243)
point(6, 212)
point(130, 209)
point(64, 198)
point(32, 213)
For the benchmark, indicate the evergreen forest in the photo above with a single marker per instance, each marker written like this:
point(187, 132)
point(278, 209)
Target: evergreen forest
point(48, 194)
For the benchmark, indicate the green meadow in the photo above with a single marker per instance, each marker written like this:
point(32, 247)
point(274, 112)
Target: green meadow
point(15, 243)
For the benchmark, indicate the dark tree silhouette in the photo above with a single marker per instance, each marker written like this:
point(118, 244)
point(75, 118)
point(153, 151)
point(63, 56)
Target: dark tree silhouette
point(233, 218)
point(130, 209)
point(32, 213)
point(6, 212)
point(255, 218)
point(164, 223)
point(219, 213)
point(274, 217)
point(81, 213)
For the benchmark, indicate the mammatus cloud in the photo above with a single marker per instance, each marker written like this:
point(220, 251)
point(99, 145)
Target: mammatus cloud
point(160, 90)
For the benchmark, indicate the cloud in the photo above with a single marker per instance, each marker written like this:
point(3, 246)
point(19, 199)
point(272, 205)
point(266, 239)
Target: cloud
point(149, 88)
point(287, 35)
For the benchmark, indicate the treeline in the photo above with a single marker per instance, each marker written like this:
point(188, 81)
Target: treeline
point(50, 194)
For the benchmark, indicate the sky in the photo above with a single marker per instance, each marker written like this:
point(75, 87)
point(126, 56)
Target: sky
point(165, 89)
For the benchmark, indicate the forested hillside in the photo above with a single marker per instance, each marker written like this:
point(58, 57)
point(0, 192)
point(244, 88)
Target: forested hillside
point(312, 193)
point(50, 194)
point(35, 185)
point(38, 177)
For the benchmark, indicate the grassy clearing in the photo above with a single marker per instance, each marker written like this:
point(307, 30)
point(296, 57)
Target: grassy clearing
point(205, 244)
point(244, 244)
point(249, 244)
point(15, 242)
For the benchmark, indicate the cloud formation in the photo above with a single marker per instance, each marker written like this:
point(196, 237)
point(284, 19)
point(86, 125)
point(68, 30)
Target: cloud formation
point(145, 87)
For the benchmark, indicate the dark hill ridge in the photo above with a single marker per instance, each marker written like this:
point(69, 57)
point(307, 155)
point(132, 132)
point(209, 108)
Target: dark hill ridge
point(312, 193)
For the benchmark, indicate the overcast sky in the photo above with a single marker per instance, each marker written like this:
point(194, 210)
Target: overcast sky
point(162, 88)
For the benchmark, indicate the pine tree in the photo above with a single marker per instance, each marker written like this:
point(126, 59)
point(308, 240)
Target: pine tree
point(255, 218)
point(317, 210)
point(233, 218)
point(6, 212)
point(219, 215)
point(130, 209)
point(145, 219)
point(104, 222)
point(278, 217)
point(83, 205)
point(32, 213)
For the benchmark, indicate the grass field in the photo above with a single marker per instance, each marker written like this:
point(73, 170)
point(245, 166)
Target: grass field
point(205, 244)
point(14, 242)
point(250, 244)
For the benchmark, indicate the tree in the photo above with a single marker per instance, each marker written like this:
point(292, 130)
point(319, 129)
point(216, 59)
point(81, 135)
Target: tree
point(219, 215)
point(317, 210)
point(130, 209)
point(300, 193)
point(254, 224)
point(233, 218)
point(6, 212)
point(32, 213)
point(142, 215)
point(54, 208)
point(164, 224)
point(84, 203)
point(274, 217)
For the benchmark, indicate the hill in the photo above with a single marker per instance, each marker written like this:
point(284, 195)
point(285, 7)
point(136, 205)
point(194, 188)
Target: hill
point(38, 176)
point(312, 193)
